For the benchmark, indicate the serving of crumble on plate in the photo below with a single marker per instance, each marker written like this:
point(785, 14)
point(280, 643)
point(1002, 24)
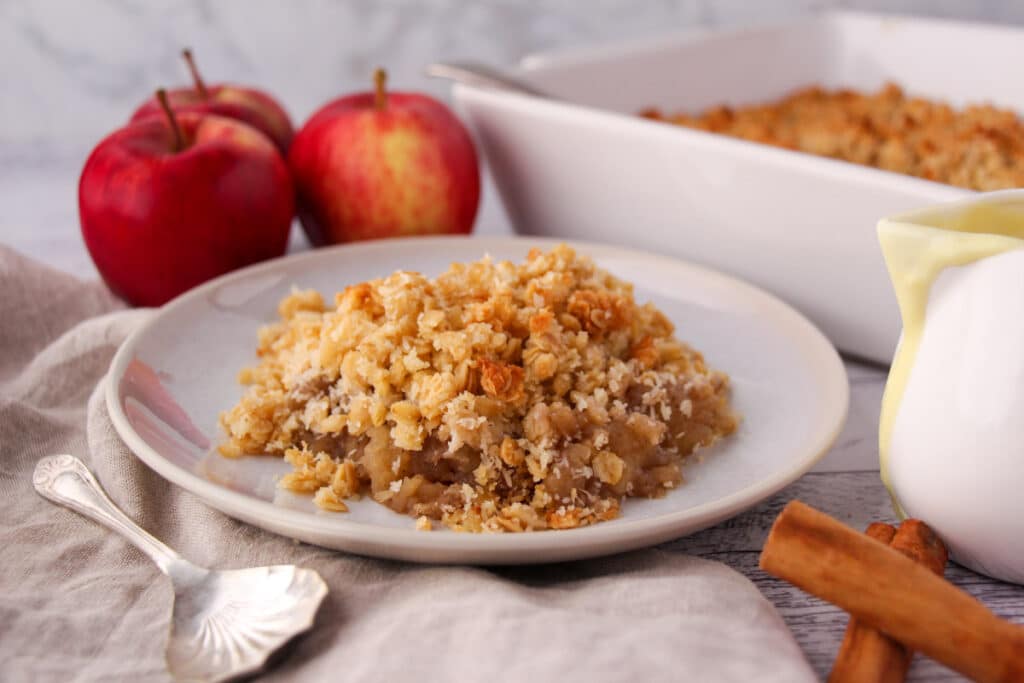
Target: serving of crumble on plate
point(495, 397)
point(174, 382)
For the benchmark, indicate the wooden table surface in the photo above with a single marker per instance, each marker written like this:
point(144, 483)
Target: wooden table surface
point(847, 486)
point(857, 498)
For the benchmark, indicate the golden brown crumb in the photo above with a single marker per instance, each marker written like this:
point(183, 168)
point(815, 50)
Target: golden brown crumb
point(503, 381)
point(495, 397)
point(979, 147)
point(608, 467)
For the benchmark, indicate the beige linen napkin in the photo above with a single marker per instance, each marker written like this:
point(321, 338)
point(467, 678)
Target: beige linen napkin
point(77, 603)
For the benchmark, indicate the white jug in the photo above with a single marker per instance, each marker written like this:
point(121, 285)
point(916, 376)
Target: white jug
point(951, 438)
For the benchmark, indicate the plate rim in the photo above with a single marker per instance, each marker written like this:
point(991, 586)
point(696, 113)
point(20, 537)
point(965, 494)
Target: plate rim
point(609, 538)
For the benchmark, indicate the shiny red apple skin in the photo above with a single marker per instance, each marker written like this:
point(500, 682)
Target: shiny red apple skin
point(363, 173)
point(158, 222)
point(254, 107)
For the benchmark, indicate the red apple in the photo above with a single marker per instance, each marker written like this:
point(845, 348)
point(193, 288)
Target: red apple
point(167, 203)
point(254, 107)
point(379, 164)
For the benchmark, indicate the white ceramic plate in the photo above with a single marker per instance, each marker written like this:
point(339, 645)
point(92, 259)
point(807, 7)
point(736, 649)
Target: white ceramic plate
point(171, 378)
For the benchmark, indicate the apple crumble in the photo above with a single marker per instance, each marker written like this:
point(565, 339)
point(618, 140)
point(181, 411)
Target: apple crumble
point(496, 397)
point(979, 147)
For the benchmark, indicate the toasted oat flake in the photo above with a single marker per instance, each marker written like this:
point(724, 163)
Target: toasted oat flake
point(497, 397)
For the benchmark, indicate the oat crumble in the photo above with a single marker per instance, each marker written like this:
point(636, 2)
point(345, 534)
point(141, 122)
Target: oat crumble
point(496, 397)
point(979, 147)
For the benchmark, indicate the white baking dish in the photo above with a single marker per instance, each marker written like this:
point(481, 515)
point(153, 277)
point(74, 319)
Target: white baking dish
point(586, 168)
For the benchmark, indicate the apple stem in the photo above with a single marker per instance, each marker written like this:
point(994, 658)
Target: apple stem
point(179, 139)
point(196, 78)
point(380, 78)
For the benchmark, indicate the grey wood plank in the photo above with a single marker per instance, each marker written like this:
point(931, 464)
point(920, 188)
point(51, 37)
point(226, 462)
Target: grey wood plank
point(857, 445)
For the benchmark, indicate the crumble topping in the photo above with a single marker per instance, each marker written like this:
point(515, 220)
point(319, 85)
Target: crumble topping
point(980, 147)
point(496, 397)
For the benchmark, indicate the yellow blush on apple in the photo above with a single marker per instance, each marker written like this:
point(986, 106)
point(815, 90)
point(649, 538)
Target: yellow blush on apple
point(378, 164)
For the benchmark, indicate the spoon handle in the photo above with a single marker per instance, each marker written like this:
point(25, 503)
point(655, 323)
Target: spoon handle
point(65, 480)
point(471, 73)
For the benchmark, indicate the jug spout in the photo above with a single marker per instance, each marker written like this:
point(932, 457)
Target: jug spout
point(920, 244)
point(914, 255)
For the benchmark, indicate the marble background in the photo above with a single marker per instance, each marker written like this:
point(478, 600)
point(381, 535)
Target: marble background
point(72, 71)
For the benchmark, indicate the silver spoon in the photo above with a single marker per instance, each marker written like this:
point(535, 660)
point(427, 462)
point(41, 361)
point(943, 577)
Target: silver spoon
point(223, 623)
point(472, 73)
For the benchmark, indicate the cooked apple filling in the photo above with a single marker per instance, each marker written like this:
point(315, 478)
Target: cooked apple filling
point(496, 397)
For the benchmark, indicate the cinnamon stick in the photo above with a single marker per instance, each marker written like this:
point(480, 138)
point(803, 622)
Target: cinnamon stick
point(888, 591)
point(880, 531)
point(867, 654)
point(918, 542)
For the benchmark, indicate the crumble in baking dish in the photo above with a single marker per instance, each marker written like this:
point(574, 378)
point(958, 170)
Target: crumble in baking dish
point(979, 147)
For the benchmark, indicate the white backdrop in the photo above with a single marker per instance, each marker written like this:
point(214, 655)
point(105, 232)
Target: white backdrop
point(71, 71)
